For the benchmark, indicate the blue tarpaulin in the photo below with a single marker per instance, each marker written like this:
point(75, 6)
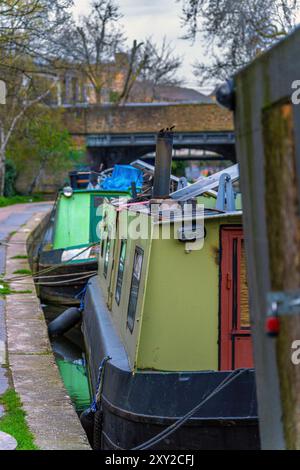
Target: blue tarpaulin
point(122, 177)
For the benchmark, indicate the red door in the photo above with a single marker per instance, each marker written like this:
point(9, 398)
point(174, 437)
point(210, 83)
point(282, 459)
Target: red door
point(235, 334)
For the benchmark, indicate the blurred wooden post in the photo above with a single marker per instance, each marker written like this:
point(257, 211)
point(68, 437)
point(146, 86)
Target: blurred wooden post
point(268, 149)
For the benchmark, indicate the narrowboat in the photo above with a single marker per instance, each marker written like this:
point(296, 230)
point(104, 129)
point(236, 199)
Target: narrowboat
point(66, 256)
point(166, 322)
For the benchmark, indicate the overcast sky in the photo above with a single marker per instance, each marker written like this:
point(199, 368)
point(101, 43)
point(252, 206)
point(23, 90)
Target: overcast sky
point(156, 18)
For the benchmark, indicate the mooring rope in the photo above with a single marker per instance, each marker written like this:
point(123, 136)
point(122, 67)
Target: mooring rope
point(55, 283)
point(173, 427)
point(99, 384)
point(52, 268)
point(180, 421)
point(52, 276)
point(81, 297)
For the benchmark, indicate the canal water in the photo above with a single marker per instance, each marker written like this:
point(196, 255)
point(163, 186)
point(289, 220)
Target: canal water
point(70, 358)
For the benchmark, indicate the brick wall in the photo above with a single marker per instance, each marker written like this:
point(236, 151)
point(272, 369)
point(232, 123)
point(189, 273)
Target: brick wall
point(126, 119)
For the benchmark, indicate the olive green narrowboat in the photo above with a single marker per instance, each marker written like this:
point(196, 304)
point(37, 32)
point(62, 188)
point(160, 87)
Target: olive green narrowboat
point(167, 330)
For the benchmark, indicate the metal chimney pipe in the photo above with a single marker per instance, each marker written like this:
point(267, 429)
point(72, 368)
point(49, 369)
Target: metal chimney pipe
point(163, 161)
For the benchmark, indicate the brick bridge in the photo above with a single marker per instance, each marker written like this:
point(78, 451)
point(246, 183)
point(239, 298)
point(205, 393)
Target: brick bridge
point(115, 134)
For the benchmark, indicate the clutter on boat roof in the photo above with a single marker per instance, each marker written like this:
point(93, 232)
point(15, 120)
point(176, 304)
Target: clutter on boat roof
point(206, 184)
point(122, 178)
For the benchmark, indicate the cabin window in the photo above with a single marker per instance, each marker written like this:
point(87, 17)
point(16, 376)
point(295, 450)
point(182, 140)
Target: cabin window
point(106, 259)
point(134, 288)
point(120, 270)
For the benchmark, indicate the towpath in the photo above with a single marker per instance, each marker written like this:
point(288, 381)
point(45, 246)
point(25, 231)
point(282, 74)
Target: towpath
point(11, 219)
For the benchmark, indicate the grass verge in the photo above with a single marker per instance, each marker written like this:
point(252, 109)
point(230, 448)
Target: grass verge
point(14, 423)
point(19, 257)
point(8, 201)
point(6, 290)
point(22, 271)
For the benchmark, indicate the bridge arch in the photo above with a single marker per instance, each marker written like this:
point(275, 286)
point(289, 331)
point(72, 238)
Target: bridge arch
point(120, 134)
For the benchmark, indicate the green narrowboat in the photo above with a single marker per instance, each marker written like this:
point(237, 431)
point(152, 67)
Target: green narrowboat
point(167, 331)
point(66, 256)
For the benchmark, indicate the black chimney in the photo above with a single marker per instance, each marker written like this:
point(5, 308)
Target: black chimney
point(163, 161)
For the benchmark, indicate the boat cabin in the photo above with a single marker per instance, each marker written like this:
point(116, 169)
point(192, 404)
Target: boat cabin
point(70, 243)
point(176, 306)
point(75, 220)
point(166, 320)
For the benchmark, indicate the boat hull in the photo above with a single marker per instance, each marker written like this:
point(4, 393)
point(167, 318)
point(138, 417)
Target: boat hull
point(137, 406)
point(62, 293)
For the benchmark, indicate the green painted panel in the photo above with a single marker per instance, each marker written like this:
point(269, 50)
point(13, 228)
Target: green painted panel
point(210, 201)
point(77, 219)
point(96, 210)
point(72, 226)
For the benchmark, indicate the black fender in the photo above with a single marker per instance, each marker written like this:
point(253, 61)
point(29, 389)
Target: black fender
point(64, 322)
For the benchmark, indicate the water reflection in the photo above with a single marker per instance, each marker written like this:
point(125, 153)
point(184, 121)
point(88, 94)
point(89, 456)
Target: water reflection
point(71, 364)
point(69, 356)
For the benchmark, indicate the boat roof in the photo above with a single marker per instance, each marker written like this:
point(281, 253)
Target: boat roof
point(169, 210)
point(100, 192)
point(205, 184)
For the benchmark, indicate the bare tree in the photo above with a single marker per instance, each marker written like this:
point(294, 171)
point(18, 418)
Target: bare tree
point(24, 91)
point(91, 44)
point(28, 27)
point(135, 64)
point(235, 31)
point(25, 30)
point(150, 65)
point(161, 66)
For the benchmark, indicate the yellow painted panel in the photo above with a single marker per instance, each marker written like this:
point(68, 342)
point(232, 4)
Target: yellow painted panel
point(177, 315)
point(119, 312)
point(180, 320)
point(107, 247)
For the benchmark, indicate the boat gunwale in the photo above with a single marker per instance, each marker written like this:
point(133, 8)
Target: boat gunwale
point(155, 419)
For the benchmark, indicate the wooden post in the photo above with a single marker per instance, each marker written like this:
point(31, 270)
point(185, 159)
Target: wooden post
point(268, 148)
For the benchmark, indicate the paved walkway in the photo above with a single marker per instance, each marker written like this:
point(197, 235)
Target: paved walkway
point(50, 414)
point(11, 219)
